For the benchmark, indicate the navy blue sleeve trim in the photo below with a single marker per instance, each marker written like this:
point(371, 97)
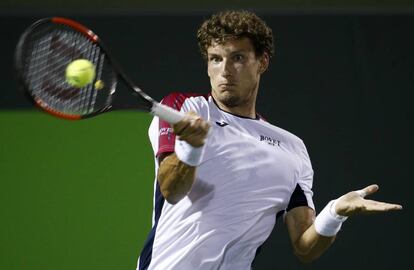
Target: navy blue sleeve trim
point(297, 199)
point(146, 253)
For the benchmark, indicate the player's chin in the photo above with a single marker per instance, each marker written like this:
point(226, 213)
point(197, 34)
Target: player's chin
point(230, 100)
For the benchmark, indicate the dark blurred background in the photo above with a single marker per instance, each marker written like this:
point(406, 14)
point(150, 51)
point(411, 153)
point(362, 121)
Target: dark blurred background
point(78, 195)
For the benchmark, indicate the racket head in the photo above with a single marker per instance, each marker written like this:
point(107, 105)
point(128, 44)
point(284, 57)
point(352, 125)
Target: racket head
point(44, 51)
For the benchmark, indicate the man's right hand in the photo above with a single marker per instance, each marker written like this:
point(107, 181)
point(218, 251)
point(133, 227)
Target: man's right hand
point(193, 129)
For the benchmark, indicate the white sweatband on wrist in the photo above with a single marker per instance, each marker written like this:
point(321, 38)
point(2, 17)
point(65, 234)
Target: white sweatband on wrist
point(189, 154)
point(328, 222)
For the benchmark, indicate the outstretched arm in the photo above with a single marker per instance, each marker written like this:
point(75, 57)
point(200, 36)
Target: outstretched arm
point(311, 237)
point(177, 171)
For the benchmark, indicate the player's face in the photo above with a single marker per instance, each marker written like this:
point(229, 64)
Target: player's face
point(234, 72)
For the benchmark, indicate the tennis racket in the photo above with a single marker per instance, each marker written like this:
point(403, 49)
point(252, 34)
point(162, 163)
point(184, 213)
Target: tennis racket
point(44, 51)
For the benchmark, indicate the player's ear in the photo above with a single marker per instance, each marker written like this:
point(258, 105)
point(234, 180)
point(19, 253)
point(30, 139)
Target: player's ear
point(264, 62)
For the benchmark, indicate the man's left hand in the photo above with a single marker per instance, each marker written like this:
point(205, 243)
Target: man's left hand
point(354, 202)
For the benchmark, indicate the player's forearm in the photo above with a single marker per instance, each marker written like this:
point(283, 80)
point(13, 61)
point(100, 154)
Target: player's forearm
point(310, 237)
point(177, 171)
point(175, 178)
point(311, 245)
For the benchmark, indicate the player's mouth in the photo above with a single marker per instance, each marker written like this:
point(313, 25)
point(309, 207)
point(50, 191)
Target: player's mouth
point(227, 85)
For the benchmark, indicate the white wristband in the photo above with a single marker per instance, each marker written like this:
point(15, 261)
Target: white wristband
point(328, 222)
point(188, 154)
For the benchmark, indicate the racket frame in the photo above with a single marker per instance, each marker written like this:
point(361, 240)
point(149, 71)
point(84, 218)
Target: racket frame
point(170, 115)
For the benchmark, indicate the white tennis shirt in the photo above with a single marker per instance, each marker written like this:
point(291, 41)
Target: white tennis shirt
point(251, 171)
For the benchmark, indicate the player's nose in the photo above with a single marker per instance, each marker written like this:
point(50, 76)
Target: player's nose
point(227, 69)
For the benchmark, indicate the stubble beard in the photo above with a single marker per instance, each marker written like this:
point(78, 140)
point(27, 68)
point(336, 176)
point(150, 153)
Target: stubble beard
point(231, 101)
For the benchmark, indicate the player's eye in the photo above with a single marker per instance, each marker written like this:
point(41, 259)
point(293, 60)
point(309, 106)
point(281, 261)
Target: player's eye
point(214, 59)
point(238, 57)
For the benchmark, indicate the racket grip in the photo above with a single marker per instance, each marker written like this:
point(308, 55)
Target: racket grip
point(166, 113)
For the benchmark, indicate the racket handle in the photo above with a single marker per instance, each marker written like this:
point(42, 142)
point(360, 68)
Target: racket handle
point(166, 113)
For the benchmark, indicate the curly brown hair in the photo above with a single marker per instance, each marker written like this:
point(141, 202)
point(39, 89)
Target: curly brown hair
point(232, 24)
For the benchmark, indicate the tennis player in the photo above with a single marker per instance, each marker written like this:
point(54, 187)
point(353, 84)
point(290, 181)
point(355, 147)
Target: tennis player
point(224, 173)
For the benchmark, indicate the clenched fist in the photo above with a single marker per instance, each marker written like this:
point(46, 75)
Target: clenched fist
point(193, 129)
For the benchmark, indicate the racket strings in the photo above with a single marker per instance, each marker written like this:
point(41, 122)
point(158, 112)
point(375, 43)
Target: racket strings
point(49, 50)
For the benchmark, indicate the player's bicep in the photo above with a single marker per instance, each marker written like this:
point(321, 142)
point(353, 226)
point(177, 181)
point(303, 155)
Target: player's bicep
point(300, 212)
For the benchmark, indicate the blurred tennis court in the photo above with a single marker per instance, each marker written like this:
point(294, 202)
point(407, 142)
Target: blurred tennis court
point(74, 195)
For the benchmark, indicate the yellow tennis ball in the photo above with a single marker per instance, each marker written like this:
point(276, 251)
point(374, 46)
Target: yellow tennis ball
point(80, 73)
point(99, 85)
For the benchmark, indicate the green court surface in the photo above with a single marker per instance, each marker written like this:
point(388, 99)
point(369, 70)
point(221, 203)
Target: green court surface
point(74, 194)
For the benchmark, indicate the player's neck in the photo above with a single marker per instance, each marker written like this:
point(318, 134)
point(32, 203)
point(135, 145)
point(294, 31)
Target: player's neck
point(244, 110)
